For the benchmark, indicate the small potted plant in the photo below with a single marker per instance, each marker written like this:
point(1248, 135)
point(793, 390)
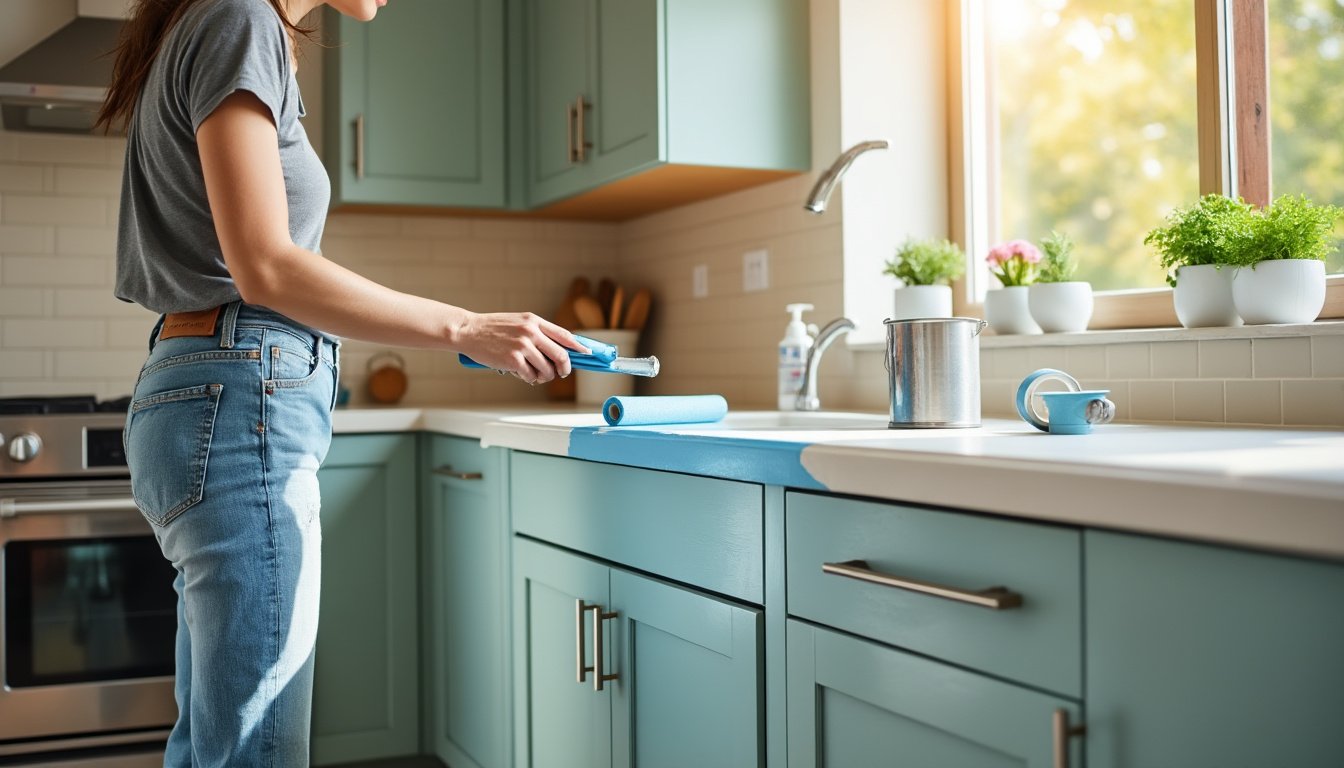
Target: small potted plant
point(926, 268)
point(1058, 303)
point(1282, 275)
point(1196, 247)
point(1014, 263)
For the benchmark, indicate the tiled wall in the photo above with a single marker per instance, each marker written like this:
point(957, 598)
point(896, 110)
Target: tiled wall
point(62, 331)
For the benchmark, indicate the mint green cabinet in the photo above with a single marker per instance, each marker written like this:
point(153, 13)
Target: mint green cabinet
point(414, 105)
point(687, 668)
point(616, 87)
point(857, 703)
point(366, 672)
point(1200, 656)
point(464, 556)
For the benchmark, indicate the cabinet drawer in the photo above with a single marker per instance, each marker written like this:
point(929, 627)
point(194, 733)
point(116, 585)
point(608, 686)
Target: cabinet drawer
point(460, 459)
point(1037, 642)
point(697, 530)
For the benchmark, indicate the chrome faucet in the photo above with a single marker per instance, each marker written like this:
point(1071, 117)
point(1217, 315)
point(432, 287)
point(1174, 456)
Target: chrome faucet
point(807, 397)
point(821, 192)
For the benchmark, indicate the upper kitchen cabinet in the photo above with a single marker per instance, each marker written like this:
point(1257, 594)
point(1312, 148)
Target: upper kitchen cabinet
point(636, 105)
point(414, 105)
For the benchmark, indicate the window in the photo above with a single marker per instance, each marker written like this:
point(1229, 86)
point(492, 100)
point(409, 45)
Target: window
point(1096, 118)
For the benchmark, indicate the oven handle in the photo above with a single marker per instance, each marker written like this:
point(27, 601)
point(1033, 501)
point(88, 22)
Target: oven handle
point(16, 507)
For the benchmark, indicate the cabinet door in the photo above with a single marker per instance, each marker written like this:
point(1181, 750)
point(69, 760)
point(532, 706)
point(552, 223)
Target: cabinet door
point(426, 86)
point(853, 702)
point(1199, 656)
point(366, 686)
point(559, 722)
point(689, 685)
point(605, 52)
point(465, 547)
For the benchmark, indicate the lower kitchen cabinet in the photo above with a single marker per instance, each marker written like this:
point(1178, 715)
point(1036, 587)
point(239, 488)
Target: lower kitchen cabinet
point(464, 549)
point(686, 666)
point(853, 702)
point(1201, 656)
point(366, 686)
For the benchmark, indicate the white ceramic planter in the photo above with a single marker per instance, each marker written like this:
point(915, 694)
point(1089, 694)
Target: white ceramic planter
point(1280, 291)
point(1203, 296)
point(914, 301)
point(1007, 312)
point(1060, 307)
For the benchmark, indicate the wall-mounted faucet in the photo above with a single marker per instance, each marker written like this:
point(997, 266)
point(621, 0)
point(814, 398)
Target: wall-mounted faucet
point(807, 397)
point(821, 192)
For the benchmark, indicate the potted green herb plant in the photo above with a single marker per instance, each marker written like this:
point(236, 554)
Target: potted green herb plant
point(1282, 275)
point(1197, 246)
point(1058, 303)
point(1014, 264)
point(925, 268)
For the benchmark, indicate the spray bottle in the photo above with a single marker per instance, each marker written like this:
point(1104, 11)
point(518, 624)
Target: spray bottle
point(793, 349)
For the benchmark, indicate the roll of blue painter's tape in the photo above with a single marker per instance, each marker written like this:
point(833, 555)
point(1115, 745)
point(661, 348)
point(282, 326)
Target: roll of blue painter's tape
point(667, 409)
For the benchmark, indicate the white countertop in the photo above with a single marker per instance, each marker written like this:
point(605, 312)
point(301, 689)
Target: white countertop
point(1275, 489)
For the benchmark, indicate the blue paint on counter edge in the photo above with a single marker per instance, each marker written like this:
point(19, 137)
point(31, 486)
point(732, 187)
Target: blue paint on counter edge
point(770, 462)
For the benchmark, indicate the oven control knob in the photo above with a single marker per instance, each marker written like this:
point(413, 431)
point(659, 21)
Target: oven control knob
point(25, 447)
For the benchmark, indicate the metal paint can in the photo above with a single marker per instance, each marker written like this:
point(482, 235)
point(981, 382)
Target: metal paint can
point(933, 372)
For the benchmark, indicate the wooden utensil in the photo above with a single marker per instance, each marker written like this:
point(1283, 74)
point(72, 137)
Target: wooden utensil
point(617, 305)
point(589, 313)
point(606, 289)
point(638, 312)
point(565, 316)
point(578, 287)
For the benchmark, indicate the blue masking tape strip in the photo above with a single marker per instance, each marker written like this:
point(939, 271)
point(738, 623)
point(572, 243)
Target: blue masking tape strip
point(768, 462)
point(624, 410)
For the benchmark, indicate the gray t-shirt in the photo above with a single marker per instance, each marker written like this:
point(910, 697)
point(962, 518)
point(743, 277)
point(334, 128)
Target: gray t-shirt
point(168, 255)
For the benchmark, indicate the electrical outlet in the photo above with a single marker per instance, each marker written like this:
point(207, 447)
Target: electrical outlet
point(755, 270)
point(700, 281)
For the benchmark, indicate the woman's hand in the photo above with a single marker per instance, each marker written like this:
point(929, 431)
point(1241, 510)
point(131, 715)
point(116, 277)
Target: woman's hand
point(529, 347)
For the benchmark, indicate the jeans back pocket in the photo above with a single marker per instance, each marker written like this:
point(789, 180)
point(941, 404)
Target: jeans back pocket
point(167, 440)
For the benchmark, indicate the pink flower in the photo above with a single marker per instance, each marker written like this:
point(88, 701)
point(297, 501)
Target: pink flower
point(1013, 249)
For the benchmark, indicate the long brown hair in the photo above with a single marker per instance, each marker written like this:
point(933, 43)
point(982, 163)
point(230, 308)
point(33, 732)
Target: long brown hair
point(141, 38)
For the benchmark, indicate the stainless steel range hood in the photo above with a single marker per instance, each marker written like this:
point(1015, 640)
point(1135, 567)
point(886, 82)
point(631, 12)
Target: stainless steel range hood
point(59, 84)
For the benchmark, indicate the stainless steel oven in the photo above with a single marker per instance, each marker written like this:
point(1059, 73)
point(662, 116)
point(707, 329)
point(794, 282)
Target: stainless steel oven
point(87, 608)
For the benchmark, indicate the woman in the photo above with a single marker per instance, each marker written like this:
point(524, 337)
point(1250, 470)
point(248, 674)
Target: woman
point(223, 204)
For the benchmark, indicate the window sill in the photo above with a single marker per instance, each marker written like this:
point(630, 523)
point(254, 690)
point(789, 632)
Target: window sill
point(1144, 335)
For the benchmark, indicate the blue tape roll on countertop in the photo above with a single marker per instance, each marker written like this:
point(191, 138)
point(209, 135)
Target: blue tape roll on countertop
point(669, 409)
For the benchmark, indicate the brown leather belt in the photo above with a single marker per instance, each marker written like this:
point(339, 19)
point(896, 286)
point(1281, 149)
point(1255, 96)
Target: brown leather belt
point(198, 323)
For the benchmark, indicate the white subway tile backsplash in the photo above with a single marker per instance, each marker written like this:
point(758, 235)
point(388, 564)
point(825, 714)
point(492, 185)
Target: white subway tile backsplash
point(1225, 359)
point(1199, 401)
point(20, 178)
point(92, 241)
point(99, 364)
point(22, 364)
point(96, 302)
point(74, 180)
point(1128, 361)
point(1152, 401)
point(27, 238)
point(53, 271)
point(1175, 360)
point(131, 334)
point(1281, 358)
point(50, 209)
point(1254, 402)
point(1327, 356)
point(20, 302)
point(1085, 362)
point(1317, 402)
point(55, 149)
point(52, 333)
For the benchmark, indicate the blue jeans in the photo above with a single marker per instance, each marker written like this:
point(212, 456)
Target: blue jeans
point(223, 439)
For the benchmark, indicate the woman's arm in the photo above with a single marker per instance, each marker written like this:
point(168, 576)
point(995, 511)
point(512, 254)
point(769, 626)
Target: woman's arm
point(245, 185)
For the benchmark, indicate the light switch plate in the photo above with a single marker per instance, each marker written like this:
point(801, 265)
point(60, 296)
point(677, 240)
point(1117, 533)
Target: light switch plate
point(700, 281)
point(755, 270)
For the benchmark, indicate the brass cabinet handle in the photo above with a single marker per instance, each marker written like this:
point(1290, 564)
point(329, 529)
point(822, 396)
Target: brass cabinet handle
point(359, 145)
point(582, 145)
point(447, 471)
point(570, 151)
point(599, 676)
point(1061, 732)
point(997, 598)
point(581, 608)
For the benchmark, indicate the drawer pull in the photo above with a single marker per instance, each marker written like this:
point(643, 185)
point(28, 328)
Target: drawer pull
point(599, 676)
point(1061, 732)
point(997, 598)
point(447, 471)
point(581, 608)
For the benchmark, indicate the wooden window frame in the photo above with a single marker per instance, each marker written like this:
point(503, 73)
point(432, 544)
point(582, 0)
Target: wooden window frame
point(1239, 151)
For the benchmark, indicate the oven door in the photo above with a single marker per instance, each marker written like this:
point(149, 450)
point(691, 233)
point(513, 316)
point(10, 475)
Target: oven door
point(88, 615)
